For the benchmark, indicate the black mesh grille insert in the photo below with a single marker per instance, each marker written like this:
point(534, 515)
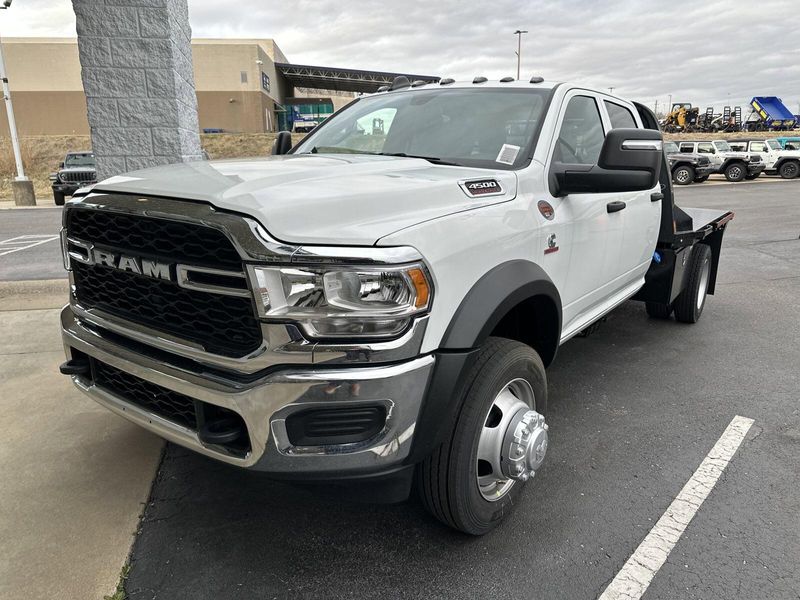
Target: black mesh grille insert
point(77, 176)
point(180, 242)
point(171, 405)
point(223, 325)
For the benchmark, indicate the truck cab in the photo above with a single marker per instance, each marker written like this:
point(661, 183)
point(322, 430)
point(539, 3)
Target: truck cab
point(777, 160)
point(735, 166)
point(378, 305)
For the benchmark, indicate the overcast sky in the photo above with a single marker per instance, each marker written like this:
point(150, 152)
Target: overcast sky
point(704, 52)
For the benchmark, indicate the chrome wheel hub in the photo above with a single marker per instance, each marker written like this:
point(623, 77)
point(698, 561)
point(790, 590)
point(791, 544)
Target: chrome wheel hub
point(513, 441)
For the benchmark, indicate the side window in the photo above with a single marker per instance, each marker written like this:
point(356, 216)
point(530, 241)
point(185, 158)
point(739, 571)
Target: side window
point(620, 116)
point(581, 137)
point(687, 147)
point(705, 148)
point(758, 147)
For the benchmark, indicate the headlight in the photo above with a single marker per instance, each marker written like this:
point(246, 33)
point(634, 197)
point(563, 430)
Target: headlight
point(343, 302)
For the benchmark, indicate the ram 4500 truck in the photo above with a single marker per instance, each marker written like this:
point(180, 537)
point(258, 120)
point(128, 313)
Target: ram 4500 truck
point(378, 309)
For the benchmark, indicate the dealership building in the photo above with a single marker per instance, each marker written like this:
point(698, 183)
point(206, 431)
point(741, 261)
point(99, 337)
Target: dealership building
point(242, 85)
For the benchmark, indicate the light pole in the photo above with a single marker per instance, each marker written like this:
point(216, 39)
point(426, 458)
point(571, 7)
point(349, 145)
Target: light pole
point(519, 33)
point(611, 90)
point(669, 107)
point(22, 186)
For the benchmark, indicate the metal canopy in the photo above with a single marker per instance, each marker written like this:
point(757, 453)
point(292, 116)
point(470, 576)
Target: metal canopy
point(343, 80)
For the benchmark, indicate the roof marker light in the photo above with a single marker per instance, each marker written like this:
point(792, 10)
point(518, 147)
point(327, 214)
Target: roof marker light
point(447, 81)
point(506, 79)
point(537, 79)
point(480, 80)
point(400, 82)
point(383, 88)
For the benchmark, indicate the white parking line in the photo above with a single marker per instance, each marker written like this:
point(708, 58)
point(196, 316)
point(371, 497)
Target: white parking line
point(23, 242)
point(636, 574)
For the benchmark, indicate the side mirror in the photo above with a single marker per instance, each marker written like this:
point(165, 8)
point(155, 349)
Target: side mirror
point(61, 165)
point(630, 161)
point(282, 143)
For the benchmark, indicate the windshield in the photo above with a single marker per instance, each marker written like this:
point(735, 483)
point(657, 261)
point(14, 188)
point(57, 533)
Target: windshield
point(774, 144)
point(85, 159)
point(487, 128)
point(671, 147)
point(722, 146)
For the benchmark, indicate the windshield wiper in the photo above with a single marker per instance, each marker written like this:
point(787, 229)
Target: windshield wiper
point(430, 159)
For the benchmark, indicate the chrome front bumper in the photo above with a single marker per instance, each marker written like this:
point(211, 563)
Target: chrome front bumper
point(264, 405)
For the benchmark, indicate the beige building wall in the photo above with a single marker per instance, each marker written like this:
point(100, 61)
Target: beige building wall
point(45, 80)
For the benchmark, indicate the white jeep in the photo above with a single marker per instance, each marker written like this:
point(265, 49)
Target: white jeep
point(379, 308)
point(778, 161)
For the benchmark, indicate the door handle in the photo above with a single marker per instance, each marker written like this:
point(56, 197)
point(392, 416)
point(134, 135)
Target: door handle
point(615, 206)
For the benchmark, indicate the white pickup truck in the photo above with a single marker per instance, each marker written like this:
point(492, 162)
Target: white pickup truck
point(378, 309)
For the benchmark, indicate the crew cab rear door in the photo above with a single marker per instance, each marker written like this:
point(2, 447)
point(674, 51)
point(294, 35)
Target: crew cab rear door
point(642, 216)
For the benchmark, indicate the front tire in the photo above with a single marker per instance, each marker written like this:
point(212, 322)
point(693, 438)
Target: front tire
point(735, 172)
point(790, 169)
point(465, 482)
point(683, 175)
point(691, 301)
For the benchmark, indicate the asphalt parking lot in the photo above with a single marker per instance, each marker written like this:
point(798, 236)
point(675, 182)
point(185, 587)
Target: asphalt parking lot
point(634, 409)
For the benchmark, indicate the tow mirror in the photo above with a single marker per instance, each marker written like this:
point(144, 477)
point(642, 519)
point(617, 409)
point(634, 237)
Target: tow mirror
point(61, 165)
point(282, 143)
point(630, 161)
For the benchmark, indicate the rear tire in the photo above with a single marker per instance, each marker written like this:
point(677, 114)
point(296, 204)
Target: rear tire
point(448, 480)
point(683, 175)
point(735, 171)
point(656, 310)
point(790, 169)
point(690, 303)
point(58, 198)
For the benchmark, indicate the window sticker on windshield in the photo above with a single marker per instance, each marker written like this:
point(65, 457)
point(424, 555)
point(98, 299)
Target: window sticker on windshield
point(508, 154)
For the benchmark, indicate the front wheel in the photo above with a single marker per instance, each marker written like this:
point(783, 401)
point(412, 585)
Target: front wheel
point(735, 172)
point(691, 301)
point(789, 170)
point(683, 175)
point(499, 440)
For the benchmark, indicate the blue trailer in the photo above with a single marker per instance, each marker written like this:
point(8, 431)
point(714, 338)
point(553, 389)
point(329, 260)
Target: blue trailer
point(769, 113)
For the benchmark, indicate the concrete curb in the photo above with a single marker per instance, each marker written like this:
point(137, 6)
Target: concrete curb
point(33, 295)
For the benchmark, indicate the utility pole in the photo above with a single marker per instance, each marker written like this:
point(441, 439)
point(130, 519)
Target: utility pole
point(519, 33)
point(656, 108)
point(669, 107)
point(611, 90)
point(22, 187)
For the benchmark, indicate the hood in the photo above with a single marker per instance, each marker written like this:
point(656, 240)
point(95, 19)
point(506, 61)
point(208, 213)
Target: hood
point(321, 198)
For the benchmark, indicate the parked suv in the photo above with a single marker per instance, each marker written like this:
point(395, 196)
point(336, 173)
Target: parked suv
point(77, 170)
point(778, 161)
point(734, 165)
point(687, 167)
point(377, 305)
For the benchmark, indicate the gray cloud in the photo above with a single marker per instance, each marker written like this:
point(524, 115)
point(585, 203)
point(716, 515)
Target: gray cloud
point(711, 52)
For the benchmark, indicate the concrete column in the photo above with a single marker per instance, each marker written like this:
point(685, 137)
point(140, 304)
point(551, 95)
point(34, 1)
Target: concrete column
point(136, 60)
